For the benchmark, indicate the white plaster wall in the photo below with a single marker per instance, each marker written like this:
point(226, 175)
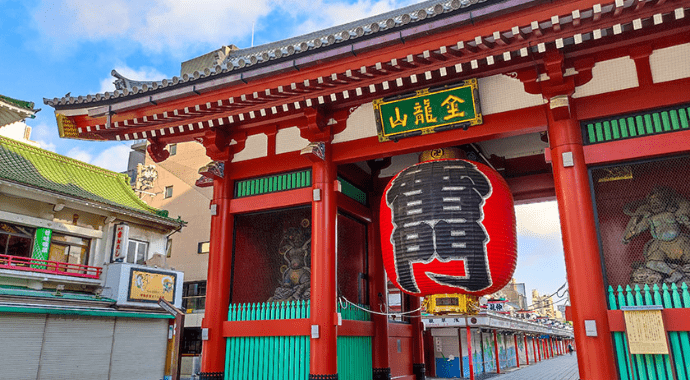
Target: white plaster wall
point(670, 63)
point(289, 140)
point(256, 146)
point(156, 240)
point(501, 93)
point(360, 124)
point(607, 76)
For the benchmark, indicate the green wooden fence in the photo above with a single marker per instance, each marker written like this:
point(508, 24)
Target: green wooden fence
point(653, 367)
point(354, 352)
point(287, 357)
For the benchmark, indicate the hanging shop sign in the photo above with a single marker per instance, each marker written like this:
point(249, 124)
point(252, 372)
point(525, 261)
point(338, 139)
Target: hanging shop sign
point(448, 226)
point(120, 242)
point(151, 286)
point(427, 111)
point(41, 249)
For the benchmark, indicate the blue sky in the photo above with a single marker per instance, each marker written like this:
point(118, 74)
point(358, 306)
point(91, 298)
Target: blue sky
point(49, 48)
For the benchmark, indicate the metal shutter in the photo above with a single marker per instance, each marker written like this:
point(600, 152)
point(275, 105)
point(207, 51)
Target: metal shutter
point(76, 347)
point(139, 349)
point(21, 336)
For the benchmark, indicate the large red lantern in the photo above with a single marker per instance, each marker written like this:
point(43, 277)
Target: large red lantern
point(448, 226)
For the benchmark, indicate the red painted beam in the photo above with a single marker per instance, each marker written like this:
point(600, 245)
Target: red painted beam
point(674, 319)
point(356, 328)
point(633, 99)
point(279, 327)
point(268, 165)
point(638, 148)
point(354, 208)
point(506, 124)
point(531, 188)
point(271, 201)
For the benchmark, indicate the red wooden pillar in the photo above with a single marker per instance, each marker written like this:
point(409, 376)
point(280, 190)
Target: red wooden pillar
point(323, 362)
point(582, 259)
point(551, 346)
point(526, 350)
point(417, 341)
point(470, 357)
point(539, 350)
point(377, 289)
point(498, 359)
point(218, 281)
point(534, 350)
point(517, 351)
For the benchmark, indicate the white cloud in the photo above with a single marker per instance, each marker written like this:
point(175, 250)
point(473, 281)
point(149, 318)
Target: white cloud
point(47, 145)
point(170, 26)
point(178, 26)
point(142, 74)
point(79, 154)
point(336, 13)
point(538, 219)
point(114, 158)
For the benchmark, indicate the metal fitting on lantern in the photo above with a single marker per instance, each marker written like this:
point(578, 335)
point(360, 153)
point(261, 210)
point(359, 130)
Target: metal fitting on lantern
point(449, 153)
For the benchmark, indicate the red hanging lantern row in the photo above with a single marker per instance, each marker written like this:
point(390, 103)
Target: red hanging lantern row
point(448, 226)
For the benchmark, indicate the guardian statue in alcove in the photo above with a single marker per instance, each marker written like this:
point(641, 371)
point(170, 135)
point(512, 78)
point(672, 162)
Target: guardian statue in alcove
point(666, 215)
point(295, 247)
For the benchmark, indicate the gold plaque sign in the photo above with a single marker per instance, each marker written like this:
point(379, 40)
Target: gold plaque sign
point(149, 286)
point(646, 333)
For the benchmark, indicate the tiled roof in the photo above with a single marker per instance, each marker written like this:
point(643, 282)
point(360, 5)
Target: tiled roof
point(13, 110)
point(305, 45)
point(43, 170)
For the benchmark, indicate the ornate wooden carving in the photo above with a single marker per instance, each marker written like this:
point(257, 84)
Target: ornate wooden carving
point(156, 150)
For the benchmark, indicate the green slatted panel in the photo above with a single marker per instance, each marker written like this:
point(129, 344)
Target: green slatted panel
point(272, 184)
point(643, 367)
point(636, 125)
point(287, 357)
point(354, 352)
point(271, 357)
point(352, 191)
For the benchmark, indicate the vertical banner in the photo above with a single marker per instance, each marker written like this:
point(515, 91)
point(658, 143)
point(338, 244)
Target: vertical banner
point(41, 249)
point(120, 242)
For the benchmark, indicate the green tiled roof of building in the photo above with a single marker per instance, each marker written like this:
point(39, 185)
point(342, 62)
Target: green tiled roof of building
point(13, 110)
point(18, 103)
point(41, 169)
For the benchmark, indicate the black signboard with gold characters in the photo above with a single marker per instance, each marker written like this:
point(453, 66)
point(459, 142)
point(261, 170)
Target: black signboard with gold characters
point(428, 110)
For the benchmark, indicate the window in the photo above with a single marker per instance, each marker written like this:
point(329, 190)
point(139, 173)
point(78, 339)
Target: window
point(172, 148)
point(168, 248)
point(137, 251)
point(69, 249)
point(168, 191)
point(203, 247)
point(191, 341)
point(16, 240)
point(193, 296)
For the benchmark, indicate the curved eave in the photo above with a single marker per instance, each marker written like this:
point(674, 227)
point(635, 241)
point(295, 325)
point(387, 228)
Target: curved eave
point(434, 52)
point(14, 111)
point(106, 208)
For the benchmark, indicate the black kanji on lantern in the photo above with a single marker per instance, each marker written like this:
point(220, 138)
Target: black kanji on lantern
point(437, 213)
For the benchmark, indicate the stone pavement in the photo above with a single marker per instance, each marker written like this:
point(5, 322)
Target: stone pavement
point(559, 368)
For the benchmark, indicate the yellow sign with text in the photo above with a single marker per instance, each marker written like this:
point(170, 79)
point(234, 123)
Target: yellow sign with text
point(149, 286)
point(646, 333)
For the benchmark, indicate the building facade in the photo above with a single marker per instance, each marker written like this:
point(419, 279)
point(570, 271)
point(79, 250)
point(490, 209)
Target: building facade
point(581, 101)
point(81, 272)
